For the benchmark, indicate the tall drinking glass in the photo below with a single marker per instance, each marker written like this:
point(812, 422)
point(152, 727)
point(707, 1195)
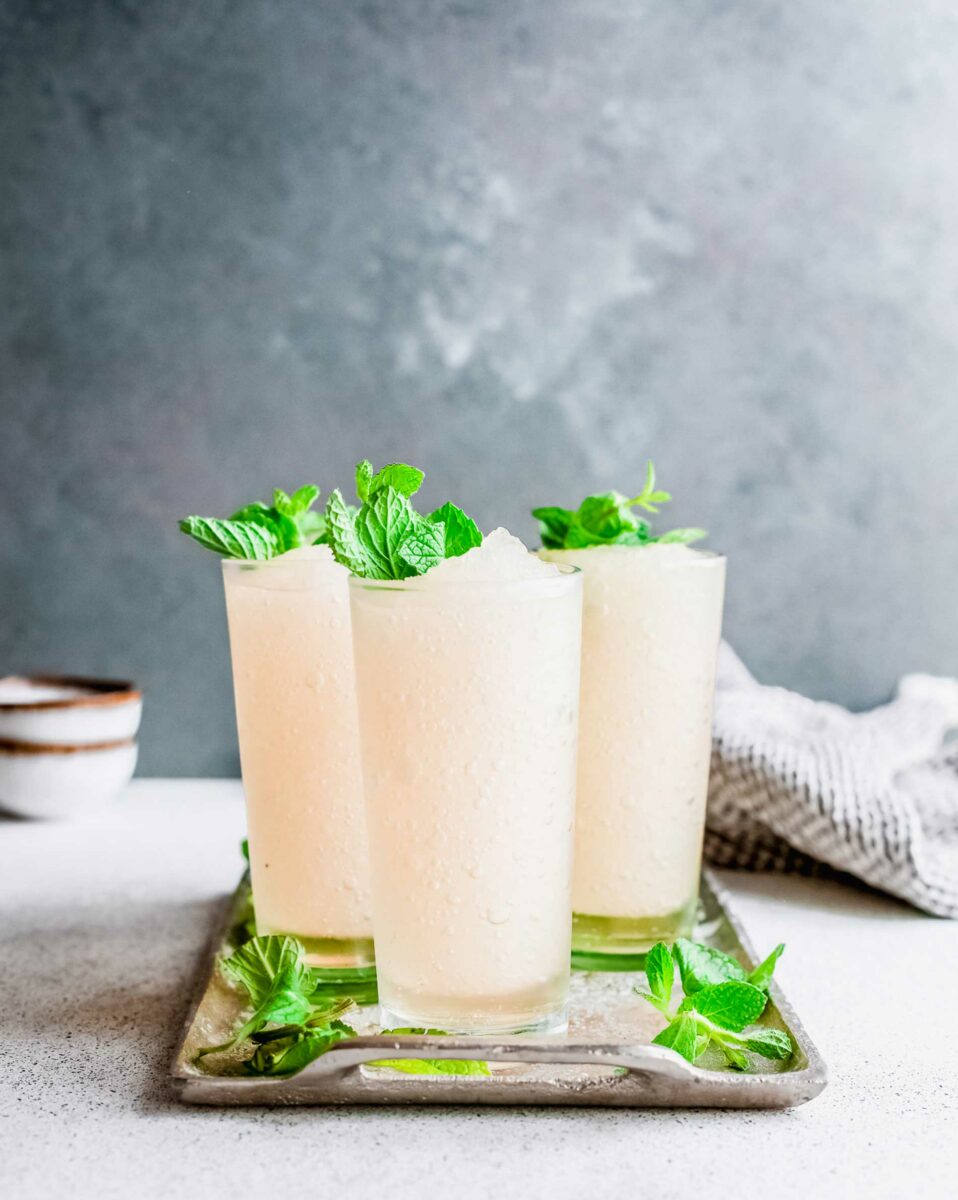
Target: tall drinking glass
point(652, 619)
point(299, 749)
point(468, 710)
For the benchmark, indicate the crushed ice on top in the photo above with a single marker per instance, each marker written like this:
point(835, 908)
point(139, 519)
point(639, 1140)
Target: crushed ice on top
point(500, 557)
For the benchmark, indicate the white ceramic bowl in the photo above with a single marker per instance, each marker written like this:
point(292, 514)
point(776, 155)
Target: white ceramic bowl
point(54, 710)
point(63, 782)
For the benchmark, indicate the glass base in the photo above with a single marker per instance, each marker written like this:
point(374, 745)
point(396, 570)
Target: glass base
point(621, 943)
point(541, 1024)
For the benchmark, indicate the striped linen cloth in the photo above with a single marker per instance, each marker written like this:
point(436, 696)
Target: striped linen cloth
point(800, 785)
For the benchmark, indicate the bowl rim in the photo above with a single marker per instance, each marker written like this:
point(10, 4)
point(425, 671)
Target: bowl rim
point(15, 749)
point(101, 692)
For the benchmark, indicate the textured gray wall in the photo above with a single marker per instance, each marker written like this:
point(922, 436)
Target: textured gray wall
point(521, 244)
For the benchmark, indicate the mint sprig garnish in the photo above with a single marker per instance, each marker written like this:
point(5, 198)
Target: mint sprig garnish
point(385, 537)
point(284, 1052)
point(609, 519)
point(291, 1022)
point(260, 531)
point(720, 1001)
point(273, 971)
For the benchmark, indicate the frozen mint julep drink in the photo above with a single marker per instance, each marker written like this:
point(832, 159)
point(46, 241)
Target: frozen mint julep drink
point(467, 673)
point(652, 619)
point(287, 601)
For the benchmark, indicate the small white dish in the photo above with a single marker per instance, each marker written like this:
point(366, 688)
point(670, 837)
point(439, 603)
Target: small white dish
point(63, 710)
point(63, 782)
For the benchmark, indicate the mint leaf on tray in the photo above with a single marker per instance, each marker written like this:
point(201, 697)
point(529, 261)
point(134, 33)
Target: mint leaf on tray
point(275, 976)
point(720, 1002)
point(287, 1051)
point(701, 965)
point(430, 1066)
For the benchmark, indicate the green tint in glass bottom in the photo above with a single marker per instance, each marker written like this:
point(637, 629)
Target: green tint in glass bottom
point(621, 943)
point(344, 955)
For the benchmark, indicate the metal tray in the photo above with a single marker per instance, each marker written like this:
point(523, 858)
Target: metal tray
point(605, 1059)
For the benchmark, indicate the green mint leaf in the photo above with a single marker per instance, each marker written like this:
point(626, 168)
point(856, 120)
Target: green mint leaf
point(414, 1030)
point(423, 547)
point(649, 498)
point(297, 525)
point(244, 926)
point(364, 477)
point(430, 1066)
point(553, 526)
point(579, 538)
point(382, 525)
point(387, 538)
point(285, 1055)
point(274, 974)
point(304, 498)
point(289, 518)
point(283, 526)
point(434, 1066)
point(701, 965)
point(461, 531)
point(344, 541)
point(399, 476)
point(683, 536)
point(257, 512)
point(321, 1016)
point(660, 972)
point(607, 519)
point(233, 539)
point(607, 516)
point(288, 531)
point(312, 528)
point(661, 1005)
point(731, 1005)
point(244, 849)
point(681, 1035)
point(733, 1056)
point(762, 975)
point(282, 503)
point(770, 1043)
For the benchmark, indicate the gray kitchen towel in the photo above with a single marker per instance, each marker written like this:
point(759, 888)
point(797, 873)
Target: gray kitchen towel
point(798, 782)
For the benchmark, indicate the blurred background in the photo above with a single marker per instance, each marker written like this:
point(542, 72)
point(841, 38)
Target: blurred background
point(524, 245)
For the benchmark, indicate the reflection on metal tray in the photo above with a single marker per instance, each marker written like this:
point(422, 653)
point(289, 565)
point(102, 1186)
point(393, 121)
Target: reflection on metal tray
point(605, 1059)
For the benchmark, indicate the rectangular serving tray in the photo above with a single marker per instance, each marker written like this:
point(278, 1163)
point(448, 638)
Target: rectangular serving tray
point(605, 1059)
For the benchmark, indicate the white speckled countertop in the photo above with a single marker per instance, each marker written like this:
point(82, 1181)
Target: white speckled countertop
point(101, 925)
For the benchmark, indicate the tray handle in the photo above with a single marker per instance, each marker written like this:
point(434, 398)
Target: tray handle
point(348, 1055)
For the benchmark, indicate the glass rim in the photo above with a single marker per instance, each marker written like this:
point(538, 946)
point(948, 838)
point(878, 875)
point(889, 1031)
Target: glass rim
point(290, 578)
point(700, 554)
point(415, 583)
point(259, 564)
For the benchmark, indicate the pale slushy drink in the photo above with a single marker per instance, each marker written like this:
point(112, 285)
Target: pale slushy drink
point(467, 679)
point(652, 616)
point(287, 601)
point(296, 718)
